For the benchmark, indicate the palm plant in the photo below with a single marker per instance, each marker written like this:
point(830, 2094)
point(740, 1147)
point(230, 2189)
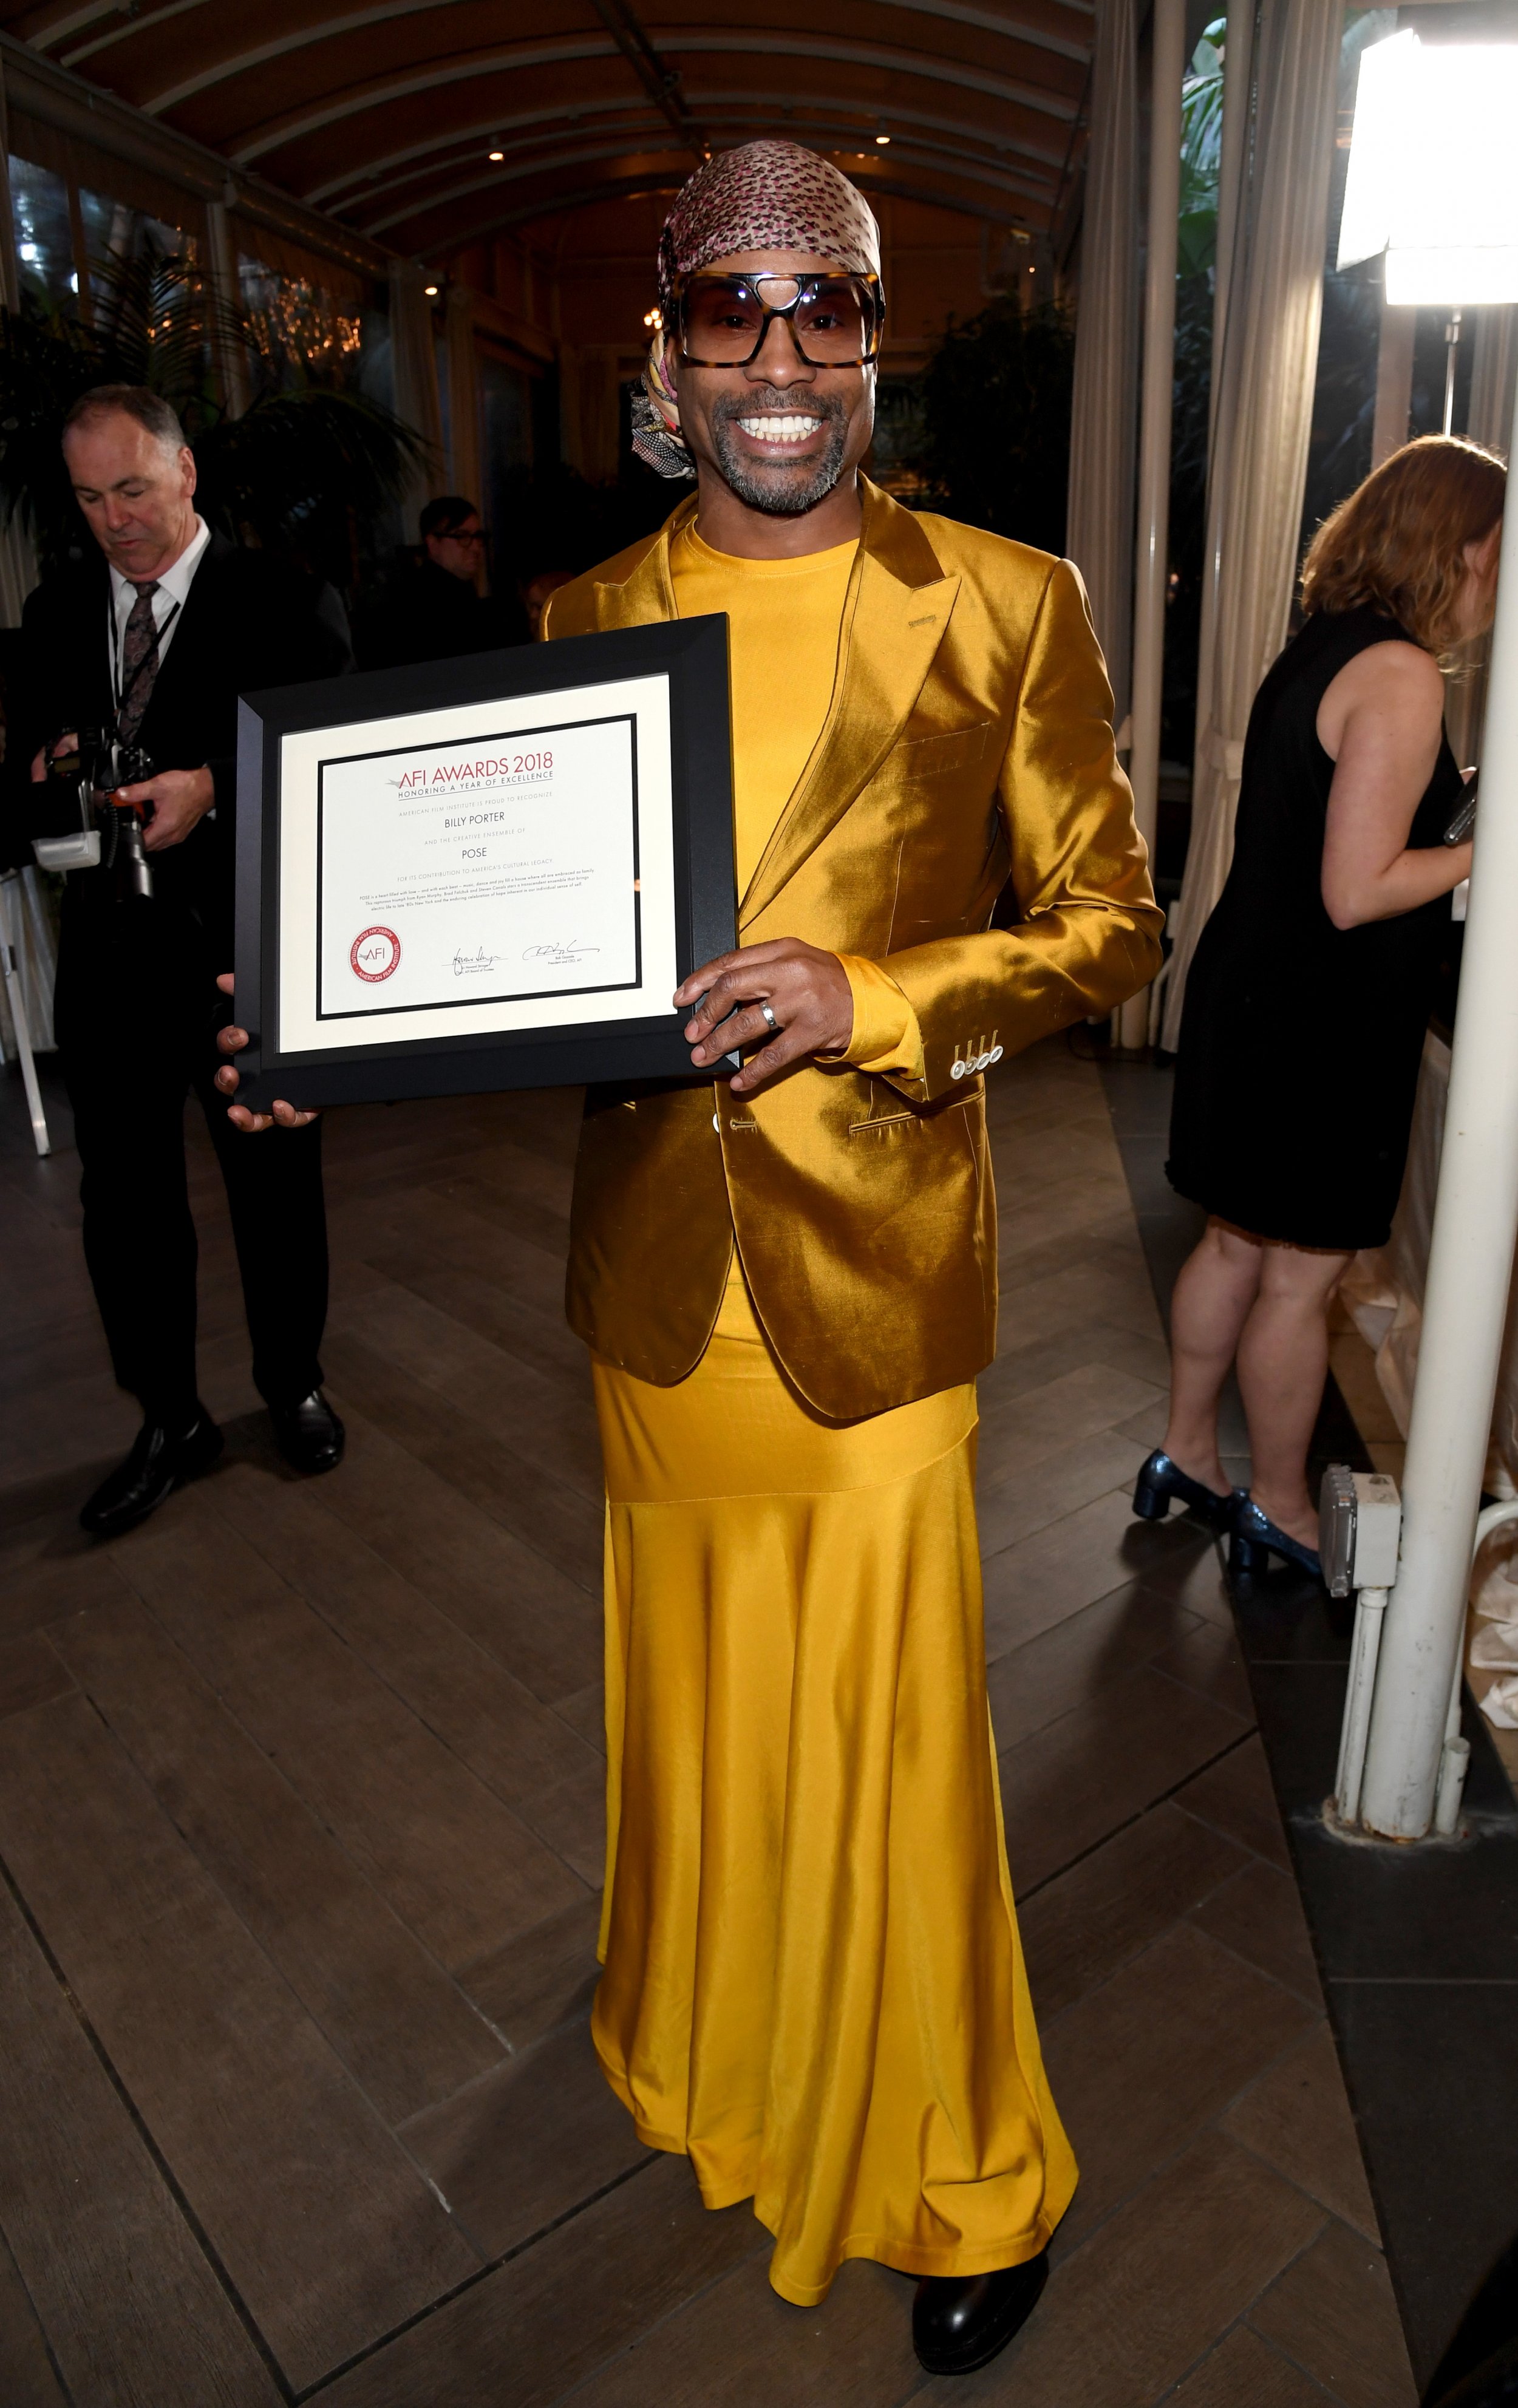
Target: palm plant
point(1202, 152)
point(308, 448)
point(1201, 148)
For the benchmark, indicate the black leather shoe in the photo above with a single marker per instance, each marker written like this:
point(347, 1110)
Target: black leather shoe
point(159, 1463)
point(961, 2321)
point(311, 1435)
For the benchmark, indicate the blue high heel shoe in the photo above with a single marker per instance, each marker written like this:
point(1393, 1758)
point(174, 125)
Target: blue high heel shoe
point(1161, 1479)
point(1254, 1539)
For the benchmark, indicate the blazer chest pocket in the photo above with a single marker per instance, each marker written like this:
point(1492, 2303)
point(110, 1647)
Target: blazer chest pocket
point(935, 757)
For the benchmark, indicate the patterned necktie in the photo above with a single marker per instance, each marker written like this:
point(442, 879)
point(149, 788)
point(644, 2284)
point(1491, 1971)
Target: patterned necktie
point(139, 665)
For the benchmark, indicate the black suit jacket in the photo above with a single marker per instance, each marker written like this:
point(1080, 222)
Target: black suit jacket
point(249, 621)
point(427, 615)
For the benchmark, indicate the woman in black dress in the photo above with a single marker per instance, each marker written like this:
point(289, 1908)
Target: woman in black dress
point(1310, 991)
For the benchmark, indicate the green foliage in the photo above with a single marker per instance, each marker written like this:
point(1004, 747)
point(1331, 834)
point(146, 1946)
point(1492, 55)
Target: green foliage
point(304, 450)
point(1201, 151)
point(996, 411)
point(1201, 144)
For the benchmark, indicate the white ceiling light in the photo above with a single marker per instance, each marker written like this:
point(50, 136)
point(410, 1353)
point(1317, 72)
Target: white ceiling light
point(1433, 173)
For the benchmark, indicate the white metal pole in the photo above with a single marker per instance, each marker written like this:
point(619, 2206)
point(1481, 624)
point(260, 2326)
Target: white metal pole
point(1370, 1614)
point(1394, 380)
point(1465, 1300)
point(1452, 345)
point(1168, 68)
point(15, 995)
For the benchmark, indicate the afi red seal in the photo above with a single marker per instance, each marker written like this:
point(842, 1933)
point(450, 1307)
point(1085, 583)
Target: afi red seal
point(375, 955)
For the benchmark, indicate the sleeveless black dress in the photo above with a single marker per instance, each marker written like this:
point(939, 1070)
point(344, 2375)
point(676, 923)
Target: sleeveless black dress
point(1300, 1042)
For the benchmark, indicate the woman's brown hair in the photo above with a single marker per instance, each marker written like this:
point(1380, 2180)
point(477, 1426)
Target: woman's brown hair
point(1397, 544)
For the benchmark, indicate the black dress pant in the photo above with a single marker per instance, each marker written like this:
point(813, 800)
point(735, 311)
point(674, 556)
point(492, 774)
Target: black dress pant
point(137, 1014)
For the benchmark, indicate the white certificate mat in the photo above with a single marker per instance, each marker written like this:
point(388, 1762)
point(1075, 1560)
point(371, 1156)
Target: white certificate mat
point(478, 869)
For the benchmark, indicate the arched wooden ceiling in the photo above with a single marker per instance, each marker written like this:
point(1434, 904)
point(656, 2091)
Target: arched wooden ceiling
point(384, 115)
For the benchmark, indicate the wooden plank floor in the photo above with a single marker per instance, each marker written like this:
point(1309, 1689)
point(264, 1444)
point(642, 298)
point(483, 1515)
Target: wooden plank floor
point(300, 1818)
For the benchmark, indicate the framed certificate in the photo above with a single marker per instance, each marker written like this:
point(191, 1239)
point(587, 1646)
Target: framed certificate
point(482, 873)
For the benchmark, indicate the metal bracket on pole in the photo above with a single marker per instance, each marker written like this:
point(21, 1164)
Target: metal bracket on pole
point(1359, 1525)
point(15, 996)
point(1343, 1560)
point(1453, 1761)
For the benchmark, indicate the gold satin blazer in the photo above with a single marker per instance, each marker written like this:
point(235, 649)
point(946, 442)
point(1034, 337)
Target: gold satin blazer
point(969, 749)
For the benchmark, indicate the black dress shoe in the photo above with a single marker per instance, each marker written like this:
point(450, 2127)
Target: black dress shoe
point(961, 2321)
point(311, 1435)
point(159, 1463)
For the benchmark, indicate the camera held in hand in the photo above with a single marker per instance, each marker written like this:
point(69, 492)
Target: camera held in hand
point(90, 826)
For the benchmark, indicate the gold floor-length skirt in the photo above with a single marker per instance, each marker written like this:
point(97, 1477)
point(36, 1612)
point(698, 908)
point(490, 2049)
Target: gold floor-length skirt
point(813, 1985)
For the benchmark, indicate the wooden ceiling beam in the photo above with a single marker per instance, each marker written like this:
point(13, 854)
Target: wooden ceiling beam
point(943, 163)
point(631, 187)
point(517, 58)
point(90, 14)
point(554, 123)
point(38, 88)
point(661, 81)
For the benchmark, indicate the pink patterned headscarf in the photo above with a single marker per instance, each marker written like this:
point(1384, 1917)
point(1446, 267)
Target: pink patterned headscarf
point(765, 196)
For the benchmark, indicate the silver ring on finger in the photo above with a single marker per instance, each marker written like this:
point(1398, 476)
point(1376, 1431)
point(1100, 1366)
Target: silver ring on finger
point(769, 1020)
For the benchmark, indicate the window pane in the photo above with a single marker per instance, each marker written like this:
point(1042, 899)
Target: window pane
point(44, 249)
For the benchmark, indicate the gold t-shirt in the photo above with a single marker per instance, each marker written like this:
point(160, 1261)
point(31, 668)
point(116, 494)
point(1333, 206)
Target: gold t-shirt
point(784, 622)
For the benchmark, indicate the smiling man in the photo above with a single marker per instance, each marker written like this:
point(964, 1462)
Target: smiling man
point(787, 1274)
point(813, 1985)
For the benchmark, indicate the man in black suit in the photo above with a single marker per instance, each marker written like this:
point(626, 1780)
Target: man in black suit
point(436, 611)
point(153, 637)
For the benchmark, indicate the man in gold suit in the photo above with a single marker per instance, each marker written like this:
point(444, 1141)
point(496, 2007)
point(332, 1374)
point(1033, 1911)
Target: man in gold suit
point(787, 1278)
point(786, 1275)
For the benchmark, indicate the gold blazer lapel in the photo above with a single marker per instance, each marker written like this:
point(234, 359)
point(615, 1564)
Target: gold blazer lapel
point(895, 619)
point(648, 594)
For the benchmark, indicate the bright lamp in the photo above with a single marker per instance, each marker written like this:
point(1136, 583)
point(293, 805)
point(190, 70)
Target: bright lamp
point(1433, 174)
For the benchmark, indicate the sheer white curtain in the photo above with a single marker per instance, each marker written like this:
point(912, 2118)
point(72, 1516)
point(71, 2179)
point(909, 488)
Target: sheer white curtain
point(1104, 410)
point(1267, 365)
point(414, 361)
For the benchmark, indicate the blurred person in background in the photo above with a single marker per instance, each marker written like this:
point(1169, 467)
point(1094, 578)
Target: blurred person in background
point(434, 609)
point(536, 594)
point(1310, 992)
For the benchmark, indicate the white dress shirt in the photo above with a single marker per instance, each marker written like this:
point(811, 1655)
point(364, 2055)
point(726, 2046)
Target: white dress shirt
point(173, 591)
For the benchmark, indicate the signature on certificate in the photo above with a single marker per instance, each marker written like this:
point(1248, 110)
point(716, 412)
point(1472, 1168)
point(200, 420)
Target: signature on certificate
point(573, 952)
point(470, 964)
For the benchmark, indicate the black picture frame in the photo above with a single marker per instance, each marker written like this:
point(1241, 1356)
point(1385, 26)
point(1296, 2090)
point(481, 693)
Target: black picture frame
point(693, 653)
